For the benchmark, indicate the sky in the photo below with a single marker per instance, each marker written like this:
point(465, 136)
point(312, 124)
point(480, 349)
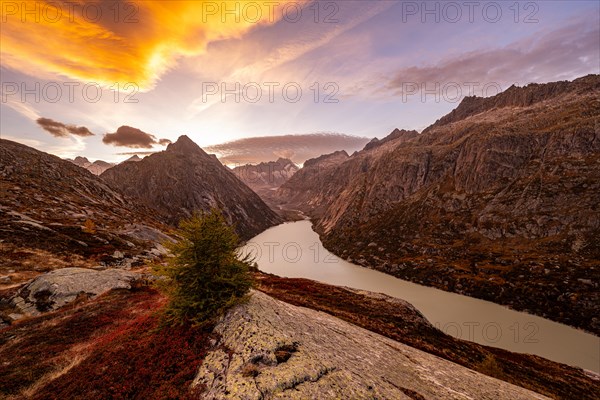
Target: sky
point(106, 79)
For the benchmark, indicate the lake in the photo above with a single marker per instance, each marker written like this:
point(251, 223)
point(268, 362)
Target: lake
point(294, 250)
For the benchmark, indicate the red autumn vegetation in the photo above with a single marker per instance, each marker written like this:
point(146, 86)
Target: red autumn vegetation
point(125, 352)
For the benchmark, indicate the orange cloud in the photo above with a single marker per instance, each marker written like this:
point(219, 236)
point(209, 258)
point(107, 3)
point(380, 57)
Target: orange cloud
point(119, 42)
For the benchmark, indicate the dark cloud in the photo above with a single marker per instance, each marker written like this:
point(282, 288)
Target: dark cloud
point(298, 148)
point(127, 136)
point(562, 54)
point(58, 129)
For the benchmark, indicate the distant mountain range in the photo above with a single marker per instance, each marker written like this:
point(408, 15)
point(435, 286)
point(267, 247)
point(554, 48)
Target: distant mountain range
point(498, 199)
point(266, 175)
point(98, 167)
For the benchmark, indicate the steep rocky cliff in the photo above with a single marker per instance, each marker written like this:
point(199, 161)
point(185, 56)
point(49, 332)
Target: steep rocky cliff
point(499, 199)
point(184, 179)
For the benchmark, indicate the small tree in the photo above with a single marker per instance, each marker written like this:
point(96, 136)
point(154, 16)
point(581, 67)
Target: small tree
point(206, 275)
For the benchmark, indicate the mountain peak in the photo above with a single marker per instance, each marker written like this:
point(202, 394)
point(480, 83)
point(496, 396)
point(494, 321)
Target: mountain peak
point(183, 144)
point(133, 158)
point(284, 161)
point(81, 160)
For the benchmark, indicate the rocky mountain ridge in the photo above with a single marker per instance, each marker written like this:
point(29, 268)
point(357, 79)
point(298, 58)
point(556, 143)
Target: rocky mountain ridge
point(397, 134)
point(184, 179)
point(98, 167)
point(500, 198)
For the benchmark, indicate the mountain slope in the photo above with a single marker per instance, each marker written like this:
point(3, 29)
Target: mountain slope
point(304, 191)
point(184, 179)
point(499, 200)
point(55, 214)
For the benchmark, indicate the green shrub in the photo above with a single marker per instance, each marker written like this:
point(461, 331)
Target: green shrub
point(205, 276)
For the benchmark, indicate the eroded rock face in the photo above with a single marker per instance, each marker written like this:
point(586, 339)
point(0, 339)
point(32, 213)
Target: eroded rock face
point(57, 288)
point(270, 349)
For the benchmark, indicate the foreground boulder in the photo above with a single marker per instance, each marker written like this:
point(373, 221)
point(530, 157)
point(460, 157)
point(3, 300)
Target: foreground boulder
point(271, 349)
point(57, 288)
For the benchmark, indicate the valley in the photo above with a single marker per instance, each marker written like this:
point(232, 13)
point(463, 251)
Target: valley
point(476, 204)
point(299, 200)
point(479, 203)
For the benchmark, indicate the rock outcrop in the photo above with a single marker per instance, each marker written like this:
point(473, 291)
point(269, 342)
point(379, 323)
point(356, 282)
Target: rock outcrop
point(55, 289)
point(273, 350)
point(184, 179)
point(499, 200)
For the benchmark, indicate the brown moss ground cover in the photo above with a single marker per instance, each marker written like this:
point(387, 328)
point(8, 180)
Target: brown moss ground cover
point(113, 347)
point(403, 325)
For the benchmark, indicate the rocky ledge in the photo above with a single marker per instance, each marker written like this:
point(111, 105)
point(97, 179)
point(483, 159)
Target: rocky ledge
point(58, 288)
point(270, 349)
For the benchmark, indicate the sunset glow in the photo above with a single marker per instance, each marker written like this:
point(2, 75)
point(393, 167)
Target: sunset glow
point(225, 71)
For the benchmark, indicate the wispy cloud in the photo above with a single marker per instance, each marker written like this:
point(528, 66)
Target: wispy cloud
point(298, 148)
point(274, 60)
point(23, 108)
point(560, 54)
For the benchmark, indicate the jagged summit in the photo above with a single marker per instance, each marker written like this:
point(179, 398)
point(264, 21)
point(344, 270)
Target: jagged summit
point(331, 158)
point(516, 96)
point(97, 167)
point(134, 158)
point(265, 177)
point(396, 134)
point(185, 145)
